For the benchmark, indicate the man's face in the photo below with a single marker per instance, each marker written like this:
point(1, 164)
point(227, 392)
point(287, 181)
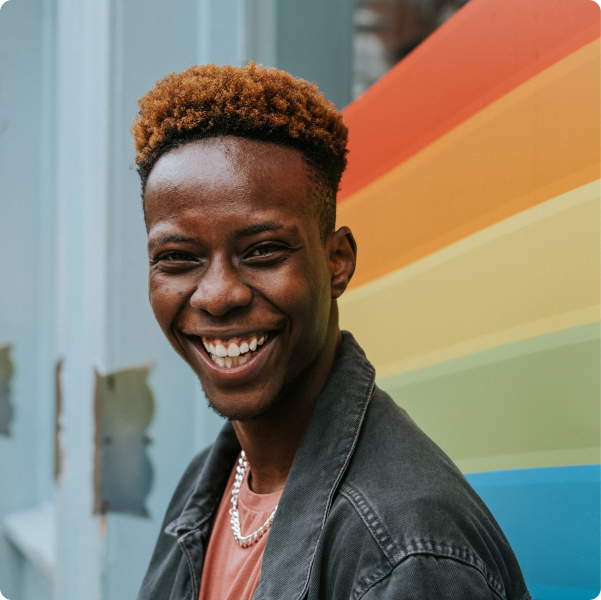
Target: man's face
point(237, 267)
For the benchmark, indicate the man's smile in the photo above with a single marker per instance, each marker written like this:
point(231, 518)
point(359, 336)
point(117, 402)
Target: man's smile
point(234, 357)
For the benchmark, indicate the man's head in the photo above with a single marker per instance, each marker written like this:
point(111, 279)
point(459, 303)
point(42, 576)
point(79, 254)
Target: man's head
point(241, 261)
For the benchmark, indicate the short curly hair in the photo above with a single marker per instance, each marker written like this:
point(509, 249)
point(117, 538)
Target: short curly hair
point(252, 102)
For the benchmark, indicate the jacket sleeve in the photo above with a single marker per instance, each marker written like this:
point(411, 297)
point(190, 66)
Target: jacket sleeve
point(426, 577)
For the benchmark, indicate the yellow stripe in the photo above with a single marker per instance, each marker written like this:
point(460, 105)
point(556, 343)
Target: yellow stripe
point(531, 274)
point(537, 142)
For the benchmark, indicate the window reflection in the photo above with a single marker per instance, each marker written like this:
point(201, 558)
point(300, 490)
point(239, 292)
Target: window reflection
point(388, 30)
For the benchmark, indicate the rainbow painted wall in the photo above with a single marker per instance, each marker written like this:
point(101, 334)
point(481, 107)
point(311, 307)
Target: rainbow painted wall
point(473, 191)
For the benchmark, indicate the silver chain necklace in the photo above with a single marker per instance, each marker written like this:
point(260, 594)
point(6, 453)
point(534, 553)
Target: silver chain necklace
point(248, 540)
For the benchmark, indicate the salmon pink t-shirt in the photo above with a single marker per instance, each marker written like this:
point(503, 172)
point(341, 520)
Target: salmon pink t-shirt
point(231, 572)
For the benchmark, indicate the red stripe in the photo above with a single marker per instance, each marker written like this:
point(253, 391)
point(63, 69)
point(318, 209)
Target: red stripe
point(488, 48)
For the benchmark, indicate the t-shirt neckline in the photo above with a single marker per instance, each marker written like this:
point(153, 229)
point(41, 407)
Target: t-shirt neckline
point(257, 502)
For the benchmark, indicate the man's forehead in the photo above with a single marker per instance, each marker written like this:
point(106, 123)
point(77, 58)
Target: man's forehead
point(225, 177)
point(226, 159)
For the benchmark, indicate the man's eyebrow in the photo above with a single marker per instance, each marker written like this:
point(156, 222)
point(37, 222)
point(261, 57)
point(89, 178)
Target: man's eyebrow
point(169, 238)
point(174, 238)
point(259, 228)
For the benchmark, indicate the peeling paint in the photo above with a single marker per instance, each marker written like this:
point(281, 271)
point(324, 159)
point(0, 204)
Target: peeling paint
point(6, 372)
point(124, 408)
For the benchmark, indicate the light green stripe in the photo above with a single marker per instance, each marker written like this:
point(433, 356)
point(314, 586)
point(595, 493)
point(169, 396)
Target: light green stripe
point(533, 403)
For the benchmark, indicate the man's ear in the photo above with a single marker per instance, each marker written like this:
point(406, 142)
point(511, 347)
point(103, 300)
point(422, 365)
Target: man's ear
point(342, 255)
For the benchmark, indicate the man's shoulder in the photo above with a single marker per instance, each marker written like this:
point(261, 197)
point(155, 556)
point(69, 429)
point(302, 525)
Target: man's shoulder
point(394, 453)
point(415, 488)
point(413, 501)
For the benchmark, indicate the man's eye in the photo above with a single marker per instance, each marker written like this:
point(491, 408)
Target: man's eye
point(174, 257)
point(265, 250)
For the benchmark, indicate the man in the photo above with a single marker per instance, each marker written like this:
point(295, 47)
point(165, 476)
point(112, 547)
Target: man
point(318, 486)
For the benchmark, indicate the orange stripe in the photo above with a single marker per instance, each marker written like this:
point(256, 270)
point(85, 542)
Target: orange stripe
point(487, 49)
point(539, 141)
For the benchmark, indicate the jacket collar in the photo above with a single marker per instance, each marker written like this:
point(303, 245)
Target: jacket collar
point(319, 465)
point(211, 482)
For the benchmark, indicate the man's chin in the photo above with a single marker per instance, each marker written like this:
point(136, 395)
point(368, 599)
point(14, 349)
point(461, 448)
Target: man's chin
point(237, 414)
point(239, 409)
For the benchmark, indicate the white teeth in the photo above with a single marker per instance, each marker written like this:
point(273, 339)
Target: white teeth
point(229, 361)
point(234, 355)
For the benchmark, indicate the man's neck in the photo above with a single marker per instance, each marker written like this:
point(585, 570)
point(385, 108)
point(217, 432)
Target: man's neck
point(271, 441)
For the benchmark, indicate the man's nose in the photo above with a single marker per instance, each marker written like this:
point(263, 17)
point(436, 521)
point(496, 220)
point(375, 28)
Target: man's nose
point(221, 289)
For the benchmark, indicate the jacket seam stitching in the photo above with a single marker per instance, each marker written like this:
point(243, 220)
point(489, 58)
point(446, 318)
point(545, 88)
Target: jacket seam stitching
point(481, 571)
point(191, 566)
point(371, 520)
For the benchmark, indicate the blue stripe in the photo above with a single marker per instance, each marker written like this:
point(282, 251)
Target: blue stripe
point(553, 592)
point(551, 517)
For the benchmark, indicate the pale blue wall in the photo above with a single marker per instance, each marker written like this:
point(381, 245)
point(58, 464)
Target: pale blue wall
point(73, 267)
point(314, 41)
point(26, 290)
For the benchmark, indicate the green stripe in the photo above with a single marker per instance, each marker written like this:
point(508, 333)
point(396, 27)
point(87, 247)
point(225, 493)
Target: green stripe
point(533, 403)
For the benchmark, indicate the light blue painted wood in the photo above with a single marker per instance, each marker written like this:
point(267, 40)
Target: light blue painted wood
point(33, 533)
point(35, 585)
point(26, 291)
point(82, 174)
point(261, 31)
point(222, 32)
point(315, 42)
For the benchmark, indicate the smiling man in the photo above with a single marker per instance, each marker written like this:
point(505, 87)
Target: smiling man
point(318, 486)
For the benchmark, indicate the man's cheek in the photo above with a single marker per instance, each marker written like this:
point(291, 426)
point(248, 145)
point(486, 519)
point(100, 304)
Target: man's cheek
point(163, 305)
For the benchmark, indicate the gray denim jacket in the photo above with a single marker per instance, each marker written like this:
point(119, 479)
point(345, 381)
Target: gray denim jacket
point(372, 509)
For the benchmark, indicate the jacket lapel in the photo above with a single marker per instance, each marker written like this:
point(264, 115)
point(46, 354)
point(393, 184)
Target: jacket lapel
point(212, 480)
point(321, 460)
